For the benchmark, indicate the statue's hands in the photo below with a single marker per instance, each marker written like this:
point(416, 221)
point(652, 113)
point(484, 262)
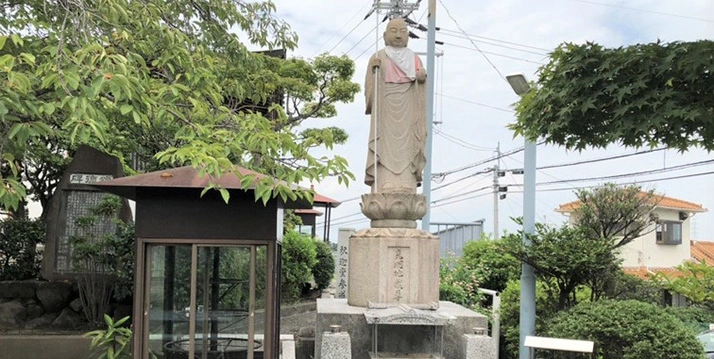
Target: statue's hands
point(421, 75)
point(374, 63)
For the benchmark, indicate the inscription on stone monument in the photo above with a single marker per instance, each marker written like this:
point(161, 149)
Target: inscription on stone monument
point(397, 285)
point(78, 204)
point(342, 267)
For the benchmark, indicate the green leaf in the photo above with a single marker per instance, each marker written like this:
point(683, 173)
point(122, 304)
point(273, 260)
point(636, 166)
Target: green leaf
point(3, 39)
point(125, 109)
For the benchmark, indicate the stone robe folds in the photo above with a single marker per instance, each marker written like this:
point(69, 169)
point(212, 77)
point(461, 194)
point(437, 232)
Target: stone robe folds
point(400, 128)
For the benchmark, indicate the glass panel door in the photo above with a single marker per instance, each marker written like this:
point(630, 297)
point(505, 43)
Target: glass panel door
point(206, 302)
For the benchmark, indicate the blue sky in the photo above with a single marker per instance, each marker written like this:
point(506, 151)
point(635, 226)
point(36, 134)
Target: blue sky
point(474, 101)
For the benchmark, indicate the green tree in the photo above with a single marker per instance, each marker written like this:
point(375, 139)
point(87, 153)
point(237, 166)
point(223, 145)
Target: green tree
point(566, 256)
point(19, 238)
point(613, 213)
point(496, 264)
point(299, 256)
point(627, 330)
point(324, 268)
point(696, 283)
point(639, 95)
point(167, 83)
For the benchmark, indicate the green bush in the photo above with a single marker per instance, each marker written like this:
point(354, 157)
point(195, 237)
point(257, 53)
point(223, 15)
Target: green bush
point(627, 329)
point(459, 282)
point(19, 238)
point(624, 287)
point(509, 314)
point(298, 258)
point(325, 266)
point(496, 265)
point(696, 318)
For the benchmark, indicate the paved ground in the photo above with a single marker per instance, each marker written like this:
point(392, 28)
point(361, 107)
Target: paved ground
point(293, 323)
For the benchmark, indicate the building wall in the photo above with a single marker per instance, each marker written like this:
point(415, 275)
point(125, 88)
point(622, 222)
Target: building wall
point(644, 251)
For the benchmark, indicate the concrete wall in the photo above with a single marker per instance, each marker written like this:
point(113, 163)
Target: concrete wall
point(44, 346)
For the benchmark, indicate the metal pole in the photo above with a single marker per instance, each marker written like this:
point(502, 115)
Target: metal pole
point(528, 295)
point(430, 59)
point(496, 193)
point(375, 105)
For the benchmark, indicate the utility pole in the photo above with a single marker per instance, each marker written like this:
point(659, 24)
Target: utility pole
point(430, 60)
point(496, 191)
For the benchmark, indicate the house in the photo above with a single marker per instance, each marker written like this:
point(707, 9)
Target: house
point(664, 245)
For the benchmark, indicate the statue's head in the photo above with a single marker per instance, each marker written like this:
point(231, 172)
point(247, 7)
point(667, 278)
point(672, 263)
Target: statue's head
point(396, 34)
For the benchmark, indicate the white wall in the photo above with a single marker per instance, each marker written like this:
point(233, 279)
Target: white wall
point(644, 251)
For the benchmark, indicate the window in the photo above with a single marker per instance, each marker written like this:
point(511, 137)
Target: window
point(669, 232)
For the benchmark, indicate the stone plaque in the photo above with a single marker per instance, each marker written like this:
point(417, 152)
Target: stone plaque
point(73, 199)
point(78, 204)
point(398, 280)
point(342, 267)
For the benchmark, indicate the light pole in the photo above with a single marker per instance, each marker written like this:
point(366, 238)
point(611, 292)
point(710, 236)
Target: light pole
point(528, 303)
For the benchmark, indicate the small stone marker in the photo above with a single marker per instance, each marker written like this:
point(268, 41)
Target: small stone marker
point(342, 267)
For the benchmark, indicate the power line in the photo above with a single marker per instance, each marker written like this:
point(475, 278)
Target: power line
point(460, 142)
point(647, 11)
point(602, 159)
point(630, 183)
point(476, 103)
point(369, 2)
point(448, 13)
point(495, 54)
point(625, 175)
point(443, 30)
point(466, 36)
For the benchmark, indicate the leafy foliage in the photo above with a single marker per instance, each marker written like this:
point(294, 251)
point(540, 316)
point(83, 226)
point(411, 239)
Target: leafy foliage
point(161, 84)
point(19, 238)
point(497, 265)
point(621, 286)
point(627, 330)
point(298, 258)
point(615, 213)
point(565, 255)
point(639, 95)
point(104, 262)
point(696, 283)
point(459, 282)
point(112, 342)
point(324, 268)
point(509, 314)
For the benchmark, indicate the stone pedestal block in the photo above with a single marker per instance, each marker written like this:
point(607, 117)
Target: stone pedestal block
point(479, 347)
point(336, 346)
point(412, 338)
point(393, 265)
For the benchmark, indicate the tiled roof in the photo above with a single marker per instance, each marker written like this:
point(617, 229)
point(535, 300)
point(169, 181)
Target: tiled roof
point(646, 272)
point(662, 202)
point(703, 251)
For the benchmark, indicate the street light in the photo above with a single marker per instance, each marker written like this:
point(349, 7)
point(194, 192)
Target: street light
point(528, 307)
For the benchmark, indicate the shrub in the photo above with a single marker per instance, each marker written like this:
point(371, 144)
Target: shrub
point(298, 258)
point(459, 282)
point(509, 314)
point(627, 330)
point(498, 266)
point(325, 266)
point(624, 287)
point(19, 238)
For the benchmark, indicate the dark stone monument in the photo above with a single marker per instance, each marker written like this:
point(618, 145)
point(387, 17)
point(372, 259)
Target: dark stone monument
point(73, 198)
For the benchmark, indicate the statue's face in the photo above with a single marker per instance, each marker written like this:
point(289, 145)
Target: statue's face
point(396, 34)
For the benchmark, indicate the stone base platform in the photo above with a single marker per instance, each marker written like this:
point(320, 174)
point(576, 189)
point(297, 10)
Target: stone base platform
point(417, 340)
point(393, 265)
